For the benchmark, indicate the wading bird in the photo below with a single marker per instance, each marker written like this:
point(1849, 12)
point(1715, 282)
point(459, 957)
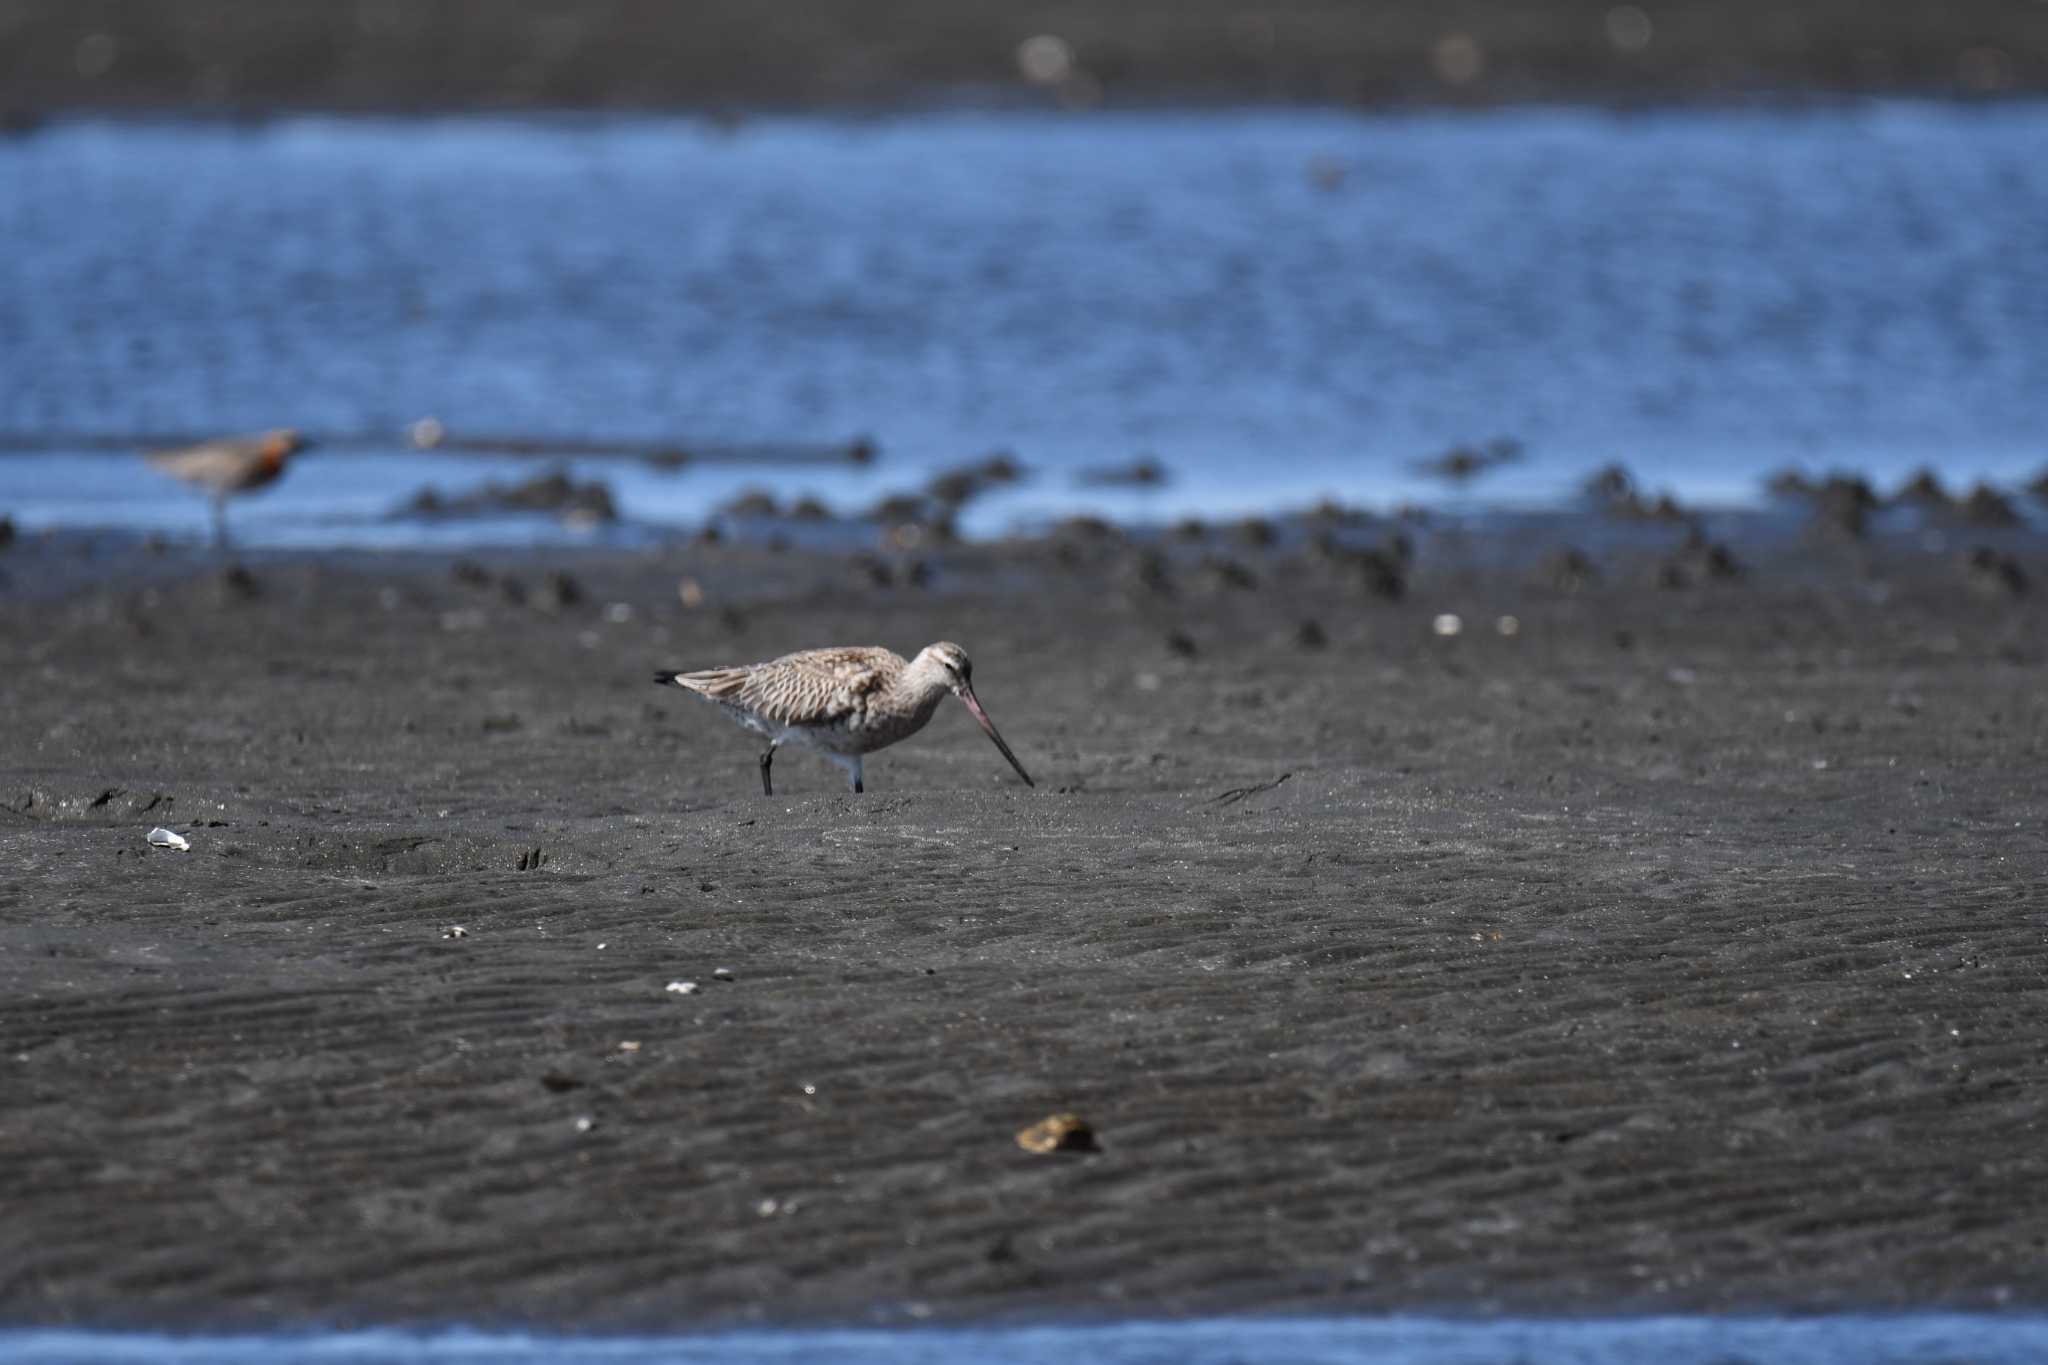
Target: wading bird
point(230, 465)
point(844, 703)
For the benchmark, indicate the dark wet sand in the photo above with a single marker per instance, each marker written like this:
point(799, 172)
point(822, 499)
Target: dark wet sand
point(1685, 949)
point(440, 54)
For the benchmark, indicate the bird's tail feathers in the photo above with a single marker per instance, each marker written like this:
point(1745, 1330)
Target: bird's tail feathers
point(711, 682)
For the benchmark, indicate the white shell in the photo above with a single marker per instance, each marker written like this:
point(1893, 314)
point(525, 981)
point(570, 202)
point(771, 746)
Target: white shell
point(164, 838)
point(681, 988)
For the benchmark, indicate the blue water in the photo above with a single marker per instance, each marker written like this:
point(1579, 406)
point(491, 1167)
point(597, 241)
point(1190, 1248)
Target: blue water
point(1278, 305)
point(1922, 1339)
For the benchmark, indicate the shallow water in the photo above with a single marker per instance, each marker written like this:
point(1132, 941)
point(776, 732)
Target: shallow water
point(1279, 305)
point(1922, 1339)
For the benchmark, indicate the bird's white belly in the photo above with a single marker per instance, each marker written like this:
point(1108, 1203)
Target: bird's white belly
point(839, 738)
point(853, 734)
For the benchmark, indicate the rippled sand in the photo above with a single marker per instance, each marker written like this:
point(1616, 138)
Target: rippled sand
point(1679, 949)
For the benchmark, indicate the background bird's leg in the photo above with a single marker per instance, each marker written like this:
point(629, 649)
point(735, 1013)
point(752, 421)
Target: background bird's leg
point(768, 757)
point(856, 774)
point(220, 521)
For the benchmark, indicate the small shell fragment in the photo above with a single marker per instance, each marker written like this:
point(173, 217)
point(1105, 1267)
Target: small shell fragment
point(1447, 624)
point(681, 988)
point(1059, 1133)
point(455, 931)
point(164, 838)
point(722, 973)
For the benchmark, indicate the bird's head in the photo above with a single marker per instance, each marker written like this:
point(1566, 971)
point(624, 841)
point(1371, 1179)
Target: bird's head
point(280, 445)
point(951, 662)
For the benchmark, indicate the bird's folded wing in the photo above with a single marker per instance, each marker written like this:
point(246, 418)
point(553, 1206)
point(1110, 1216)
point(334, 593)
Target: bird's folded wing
point(818, 687)
point(210, 468)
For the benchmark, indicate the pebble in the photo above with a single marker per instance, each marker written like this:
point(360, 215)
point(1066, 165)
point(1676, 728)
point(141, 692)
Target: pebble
point(1447, 625)
point(681, 988)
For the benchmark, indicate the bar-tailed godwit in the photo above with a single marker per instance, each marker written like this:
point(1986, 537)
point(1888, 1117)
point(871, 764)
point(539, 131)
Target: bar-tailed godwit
point(230, 465)
point(844, 703)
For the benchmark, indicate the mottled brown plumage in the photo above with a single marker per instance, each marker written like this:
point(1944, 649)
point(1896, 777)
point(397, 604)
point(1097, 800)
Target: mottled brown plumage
point(230, 465)
point(845, 703)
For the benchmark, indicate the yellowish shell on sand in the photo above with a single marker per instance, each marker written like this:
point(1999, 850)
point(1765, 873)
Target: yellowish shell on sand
point(1060, 1133)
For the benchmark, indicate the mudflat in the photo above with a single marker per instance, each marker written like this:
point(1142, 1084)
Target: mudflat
point(1677, 943)
point(243, 55)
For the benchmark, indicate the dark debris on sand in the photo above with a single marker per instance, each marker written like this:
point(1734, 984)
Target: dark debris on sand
point(1995, 574)
point(555, 493)
point(1986, 506)
point(1615, 492)
point(1845, 504)
point(1143, 472)
point(1463, 463)
point(1923, 488)
point(954, 488)
point(1698, 561)
point(1842, 504)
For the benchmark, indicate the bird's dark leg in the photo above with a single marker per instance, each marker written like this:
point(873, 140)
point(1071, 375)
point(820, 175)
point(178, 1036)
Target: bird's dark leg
point(767, 757)
point(220, 522)
point(857, 788)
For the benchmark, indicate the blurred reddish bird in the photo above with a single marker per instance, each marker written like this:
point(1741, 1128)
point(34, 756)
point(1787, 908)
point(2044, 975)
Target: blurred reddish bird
point(230, 465)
